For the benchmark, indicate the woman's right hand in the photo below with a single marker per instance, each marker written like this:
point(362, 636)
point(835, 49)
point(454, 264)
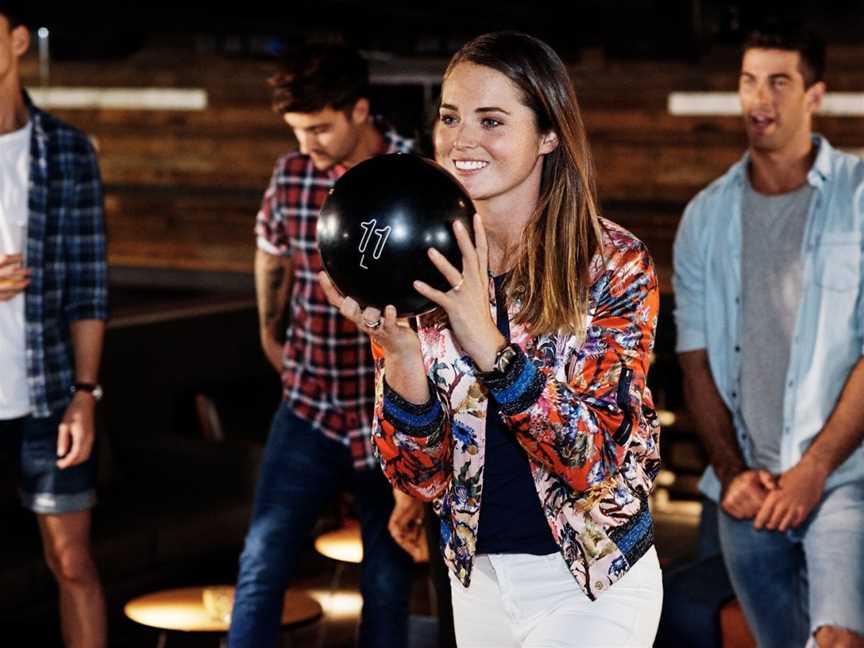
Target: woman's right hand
point(393, 335)
point(403, 360)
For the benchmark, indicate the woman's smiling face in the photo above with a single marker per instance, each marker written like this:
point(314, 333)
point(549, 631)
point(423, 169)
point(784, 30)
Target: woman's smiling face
point(487, 137)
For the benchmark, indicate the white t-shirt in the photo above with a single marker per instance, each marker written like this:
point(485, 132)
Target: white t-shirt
point(14, 179)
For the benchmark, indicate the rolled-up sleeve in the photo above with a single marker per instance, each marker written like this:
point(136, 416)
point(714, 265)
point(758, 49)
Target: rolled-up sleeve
point(858, 205)
point(688, 281)
point(271, 222)
point(86, 263)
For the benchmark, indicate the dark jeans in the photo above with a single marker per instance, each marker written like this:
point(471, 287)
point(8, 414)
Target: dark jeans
point(440, 581)
point(302, 470)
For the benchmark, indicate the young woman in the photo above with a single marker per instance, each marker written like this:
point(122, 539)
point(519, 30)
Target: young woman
point(524, 413)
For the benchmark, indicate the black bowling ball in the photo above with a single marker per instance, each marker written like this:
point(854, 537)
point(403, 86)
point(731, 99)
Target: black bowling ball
point(378, 222)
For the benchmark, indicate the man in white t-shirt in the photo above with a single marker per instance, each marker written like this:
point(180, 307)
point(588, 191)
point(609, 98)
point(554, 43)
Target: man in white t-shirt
point(14, 175)
point(52, 309)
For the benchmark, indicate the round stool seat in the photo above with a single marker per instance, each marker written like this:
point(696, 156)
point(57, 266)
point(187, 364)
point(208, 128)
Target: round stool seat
point(343, 544)
point(208, 609)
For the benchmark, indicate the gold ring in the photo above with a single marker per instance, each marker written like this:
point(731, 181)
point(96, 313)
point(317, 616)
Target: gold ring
point(459, 285)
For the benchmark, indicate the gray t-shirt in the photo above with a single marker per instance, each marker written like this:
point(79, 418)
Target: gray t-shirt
point(771, 269)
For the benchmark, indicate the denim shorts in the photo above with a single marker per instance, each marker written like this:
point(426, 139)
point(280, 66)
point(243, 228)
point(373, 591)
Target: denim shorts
point(30, 445)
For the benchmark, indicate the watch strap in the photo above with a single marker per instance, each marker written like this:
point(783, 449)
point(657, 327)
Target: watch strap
point(503, 360)
point(94, 389)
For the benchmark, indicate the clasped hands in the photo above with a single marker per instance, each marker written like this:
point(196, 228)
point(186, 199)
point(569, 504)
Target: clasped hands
point(775, 503)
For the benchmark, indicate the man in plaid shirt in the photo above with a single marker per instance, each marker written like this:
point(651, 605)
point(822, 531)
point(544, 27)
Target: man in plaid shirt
point(52, 312)
point(319, 443)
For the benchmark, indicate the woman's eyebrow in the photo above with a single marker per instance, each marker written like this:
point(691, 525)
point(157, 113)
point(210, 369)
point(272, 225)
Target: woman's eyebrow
point(485, 109)
point(482, 109)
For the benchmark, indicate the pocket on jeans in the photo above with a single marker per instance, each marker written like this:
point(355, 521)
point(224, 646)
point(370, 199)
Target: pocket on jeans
point(645, 575)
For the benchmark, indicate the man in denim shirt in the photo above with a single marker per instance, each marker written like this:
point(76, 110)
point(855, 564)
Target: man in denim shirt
point(770, 317)
point(53, 294)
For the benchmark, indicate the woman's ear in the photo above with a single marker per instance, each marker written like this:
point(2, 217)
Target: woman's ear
point(548, 142)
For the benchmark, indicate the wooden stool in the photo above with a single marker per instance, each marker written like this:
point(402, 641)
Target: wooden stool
point(344, 544)
point(734, 631)
point(208, 609)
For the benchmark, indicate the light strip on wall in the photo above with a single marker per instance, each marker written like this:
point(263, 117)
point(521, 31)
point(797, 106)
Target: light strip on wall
point(836, 104)
point(120, 98)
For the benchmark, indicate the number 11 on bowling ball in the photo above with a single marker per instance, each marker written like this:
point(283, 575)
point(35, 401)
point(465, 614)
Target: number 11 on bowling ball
point(378, 222)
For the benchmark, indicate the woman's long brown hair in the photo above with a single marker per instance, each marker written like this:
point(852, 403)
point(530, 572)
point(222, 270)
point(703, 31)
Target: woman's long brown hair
point(551, 277)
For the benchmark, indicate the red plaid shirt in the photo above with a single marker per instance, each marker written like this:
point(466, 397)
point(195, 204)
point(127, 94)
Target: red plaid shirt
point(328, 374)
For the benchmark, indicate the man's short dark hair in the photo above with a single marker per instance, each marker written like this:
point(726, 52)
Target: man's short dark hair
point(792, 38)
point(315, 77)
point(13, 12)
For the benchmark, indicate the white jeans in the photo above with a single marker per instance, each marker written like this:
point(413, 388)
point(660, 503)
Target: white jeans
point(525, 601)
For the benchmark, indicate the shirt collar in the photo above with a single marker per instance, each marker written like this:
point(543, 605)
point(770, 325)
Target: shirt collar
point(393, 143)
point(816, 177)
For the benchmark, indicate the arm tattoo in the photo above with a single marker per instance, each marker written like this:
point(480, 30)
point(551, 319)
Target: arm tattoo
point(275, 279)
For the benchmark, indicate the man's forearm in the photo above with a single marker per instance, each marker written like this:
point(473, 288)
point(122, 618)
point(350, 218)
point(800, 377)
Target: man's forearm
point(87, 336)
point(712, 417)
point(844, 431)
point(272, 284)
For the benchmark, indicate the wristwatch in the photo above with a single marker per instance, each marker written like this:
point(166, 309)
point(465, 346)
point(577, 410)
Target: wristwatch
point(93, 389)
point(503, 359)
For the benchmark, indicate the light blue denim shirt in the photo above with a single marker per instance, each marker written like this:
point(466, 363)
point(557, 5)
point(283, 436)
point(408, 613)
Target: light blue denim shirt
point(828, 338)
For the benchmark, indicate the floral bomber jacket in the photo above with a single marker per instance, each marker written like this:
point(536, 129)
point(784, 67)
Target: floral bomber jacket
point(579, 406)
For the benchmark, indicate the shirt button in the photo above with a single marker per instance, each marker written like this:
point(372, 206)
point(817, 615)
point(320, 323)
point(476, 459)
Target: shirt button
point(598, 585)
point(737, 349)
point(791, 382)
point(734, 394)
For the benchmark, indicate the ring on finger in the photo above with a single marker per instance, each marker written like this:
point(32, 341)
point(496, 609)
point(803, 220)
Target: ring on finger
point(458, 286)
point(372, 325)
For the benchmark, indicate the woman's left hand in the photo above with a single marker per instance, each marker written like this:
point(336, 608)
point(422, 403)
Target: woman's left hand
point(467, 303)
point(406, 525)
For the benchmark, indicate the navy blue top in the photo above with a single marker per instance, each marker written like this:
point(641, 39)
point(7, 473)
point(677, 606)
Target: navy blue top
point(511, 517)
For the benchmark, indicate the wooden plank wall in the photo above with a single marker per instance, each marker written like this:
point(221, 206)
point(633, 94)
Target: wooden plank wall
point(182, 188)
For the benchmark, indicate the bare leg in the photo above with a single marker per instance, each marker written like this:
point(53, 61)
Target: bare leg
point(834, 637)
point(66, 544)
